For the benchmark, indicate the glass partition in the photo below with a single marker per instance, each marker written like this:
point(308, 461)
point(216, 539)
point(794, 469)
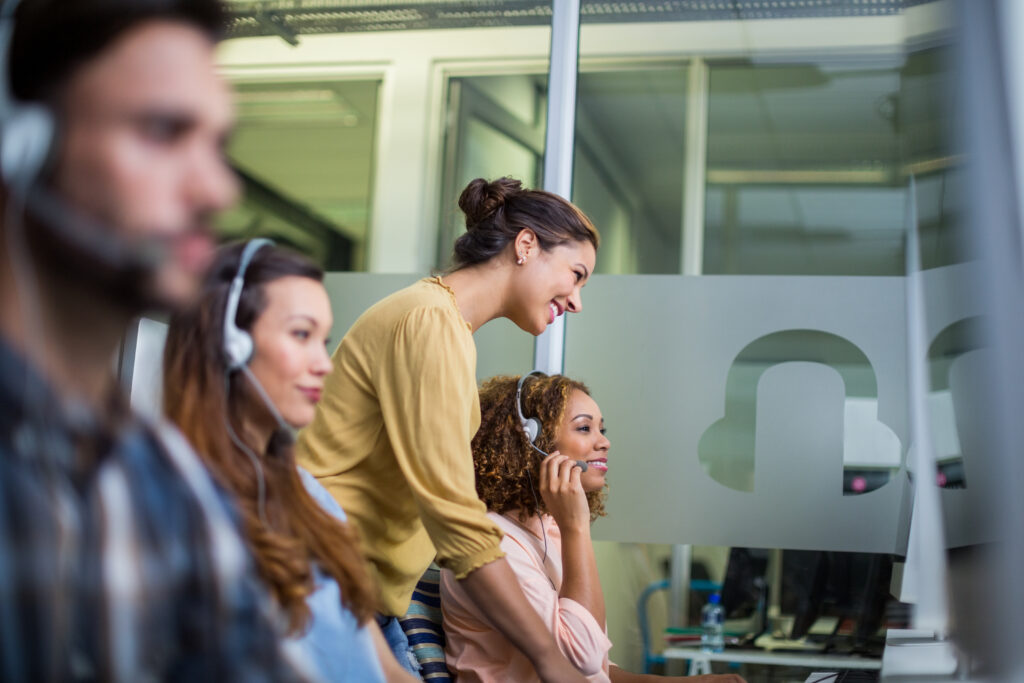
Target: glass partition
point(628, 166)
point(741, 409)
point(780, 143)
point(305, 154)
point(803, 169)
point(496, 128)
point(630, 185)
point(381, 115)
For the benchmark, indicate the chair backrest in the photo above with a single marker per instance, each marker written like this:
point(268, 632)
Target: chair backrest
point(650, 659)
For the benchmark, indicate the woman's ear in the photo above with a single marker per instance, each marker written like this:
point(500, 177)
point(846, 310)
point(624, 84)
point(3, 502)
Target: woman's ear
point(526, 245)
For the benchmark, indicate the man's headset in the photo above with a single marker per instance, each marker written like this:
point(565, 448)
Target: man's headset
point(28, 129)
point(531, 425)
point(27, 133)
point(27, 139)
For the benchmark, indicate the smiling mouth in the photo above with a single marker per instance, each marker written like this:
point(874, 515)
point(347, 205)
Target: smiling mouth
point(599, 464)
point(555, 311)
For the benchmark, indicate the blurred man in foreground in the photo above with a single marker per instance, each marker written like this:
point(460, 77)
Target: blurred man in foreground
point(119, 559)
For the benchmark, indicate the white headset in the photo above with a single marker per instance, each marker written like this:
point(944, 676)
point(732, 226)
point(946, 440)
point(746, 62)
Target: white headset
point(26, 130)
point(238, 346)
point(27, 134)
point(238, 349)
point(532, 427)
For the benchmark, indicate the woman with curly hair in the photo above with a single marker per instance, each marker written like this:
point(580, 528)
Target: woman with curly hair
point(238, 408)
point(545, 506)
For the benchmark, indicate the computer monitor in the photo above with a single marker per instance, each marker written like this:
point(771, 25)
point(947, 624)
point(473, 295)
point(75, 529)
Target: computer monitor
point(853, 587)
point(745, 590)
point(849, 586)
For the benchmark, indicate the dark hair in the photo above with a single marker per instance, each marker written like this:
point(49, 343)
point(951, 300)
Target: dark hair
point(502, 457)
point(300, 531)
point(496, 211)
point(53, 38)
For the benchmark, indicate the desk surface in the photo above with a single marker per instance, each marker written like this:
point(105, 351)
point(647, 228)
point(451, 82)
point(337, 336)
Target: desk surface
point(812, 660)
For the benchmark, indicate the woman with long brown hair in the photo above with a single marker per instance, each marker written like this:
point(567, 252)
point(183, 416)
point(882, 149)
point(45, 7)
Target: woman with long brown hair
point(243, 367)
point(390, 440)
point(544, 505)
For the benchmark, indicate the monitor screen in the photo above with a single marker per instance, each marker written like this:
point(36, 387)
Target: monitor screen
point(744, 590)
point(851, 586)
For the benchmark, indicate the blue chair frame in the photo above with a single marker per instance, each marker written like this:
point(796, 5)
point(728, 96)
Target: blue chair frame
point(650, 658)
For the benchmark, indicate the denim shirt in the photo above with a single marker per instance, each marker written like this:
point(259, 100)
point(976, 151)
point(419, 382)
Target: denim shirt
point(335, 644)
point(120, 559)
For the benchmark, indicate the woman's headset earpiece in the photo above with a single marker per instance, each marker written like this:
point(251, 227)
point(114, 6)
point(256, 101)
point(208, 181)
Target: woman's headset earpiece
point(238, 346)
point(532, 427)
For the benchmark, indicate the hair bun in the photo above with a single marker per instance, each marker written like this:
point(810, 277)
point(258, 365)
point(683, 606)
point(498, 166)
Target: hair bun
point(481, 199)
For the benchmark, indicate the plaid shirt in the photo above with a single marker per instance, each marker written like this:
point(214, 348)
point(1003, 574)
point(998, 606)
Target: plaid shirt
point(119, 557)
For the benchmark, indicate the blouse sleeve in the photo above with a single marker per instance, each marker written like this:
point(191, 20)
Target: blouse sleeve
point(580, 638)
point(426, 385)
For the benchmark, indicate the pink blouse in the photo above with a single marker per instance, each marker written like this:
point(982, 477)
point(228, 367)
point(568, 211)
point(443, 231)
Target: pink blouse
point(478, 652)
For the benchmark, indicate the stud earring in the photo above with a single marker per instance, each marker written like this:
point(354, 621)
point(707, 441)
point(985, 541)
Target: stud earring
point(521, 260)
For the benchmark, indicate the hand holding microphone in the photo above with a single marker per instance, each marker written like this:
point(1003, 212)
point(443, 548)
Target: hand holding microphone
point(563, 493)
point(582, 464)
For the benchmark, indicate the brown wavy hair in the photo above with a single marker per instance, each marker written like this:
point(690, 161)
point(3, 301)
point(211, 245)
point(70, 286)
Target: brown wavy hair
point(497, 210)
point(298, 532)
point(507, 469)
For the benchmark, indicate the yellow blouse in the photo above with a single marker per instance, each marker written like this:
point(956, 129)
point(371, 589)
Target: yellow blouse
point(391, 440)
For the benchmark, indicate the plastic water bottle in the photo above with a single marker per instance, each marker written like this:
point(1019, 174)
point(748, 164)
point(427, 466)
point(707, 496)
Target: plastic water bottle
point(712, 636)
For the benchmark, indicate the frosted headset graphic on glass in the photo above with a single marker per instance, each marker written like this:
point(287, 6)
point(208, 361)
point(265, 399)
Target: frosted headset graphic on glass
point(238, 348)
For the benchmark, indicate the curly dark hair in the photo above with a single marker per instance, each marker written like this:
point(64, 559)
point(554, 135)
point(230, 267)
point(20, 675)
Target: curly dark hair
point(502, 457)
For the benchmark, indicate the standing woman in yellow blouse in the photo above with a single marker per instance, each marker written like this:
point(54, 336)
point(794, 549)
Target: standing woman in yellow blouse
point(391, 438)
